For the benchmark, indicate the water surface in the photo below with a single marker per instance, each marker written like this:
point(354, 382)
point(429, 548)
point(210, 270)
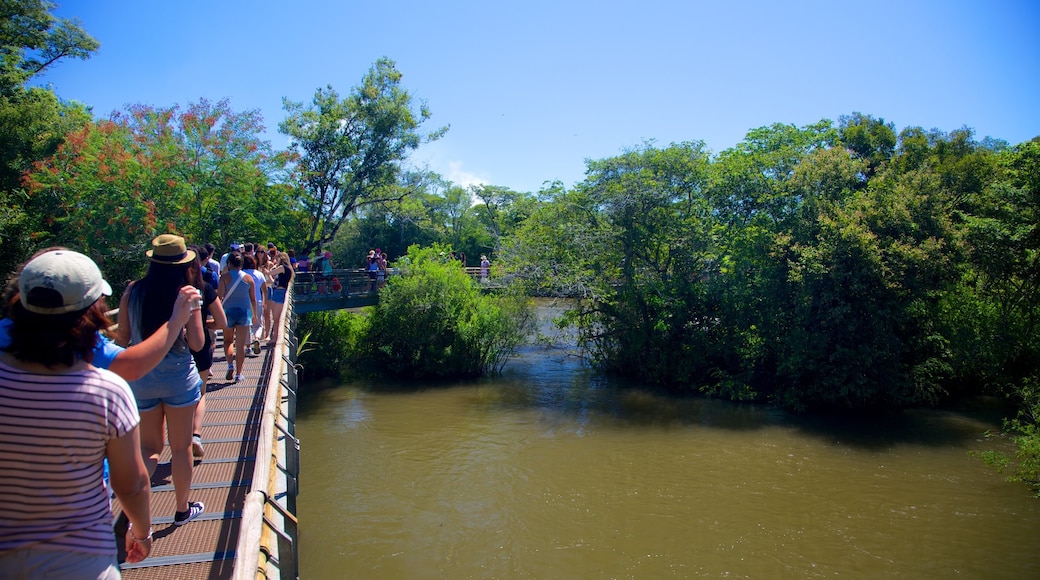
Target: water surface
point(546, 472)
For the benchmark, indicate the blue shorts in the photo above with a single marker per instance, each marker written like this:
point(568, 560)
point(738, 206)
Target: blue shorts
point(238, 316)
point(185, 399)
point(278, 295)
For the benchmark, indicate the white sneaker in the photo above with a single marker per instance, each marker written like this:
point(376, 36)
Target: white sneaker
point(238, 378)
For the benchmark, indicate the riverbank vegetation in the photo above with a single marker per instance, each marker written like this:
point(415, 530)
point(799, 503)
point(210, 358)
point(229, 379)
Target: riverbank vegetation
point(848, 265)
point(432, 322)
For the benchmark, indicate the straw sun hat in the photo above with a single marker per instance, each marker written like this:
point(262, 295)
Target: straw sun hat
point(170, 249)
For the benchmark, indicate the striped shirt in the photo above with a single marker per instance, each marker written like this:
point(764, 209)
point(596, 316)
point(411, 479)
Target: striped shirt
point(54, 429)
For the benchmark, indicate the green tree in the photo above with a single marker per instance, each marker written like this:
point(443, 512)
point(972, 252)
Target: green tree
point(33, 123)
point(32, 40)
point(350, 150)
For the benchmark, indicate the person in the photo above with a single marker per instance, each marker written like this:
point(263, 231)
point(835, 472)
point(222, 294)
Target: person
point(234, 247)
point(282, 276)
point(372, 267)
point(323, 271)
point(213, 318)
point(292, 257)
point(485, 268)
point(250, 267)
point(209, 273)
point(212, 263)
point(237, 291)
point(63, 419)
point(383, 271)
point(170, 392)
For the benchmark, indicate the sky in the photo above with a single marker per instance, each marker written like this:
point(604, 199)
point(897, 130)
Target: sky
point(532, 89)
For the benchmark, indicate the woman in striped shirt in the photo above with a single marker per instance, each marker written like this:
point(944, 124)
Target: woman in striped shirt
point(60, 418)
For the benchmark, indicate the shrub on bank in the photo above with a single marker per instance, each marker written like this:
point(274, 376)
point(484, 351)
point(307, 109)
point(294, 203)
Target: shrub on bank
point(432, 322)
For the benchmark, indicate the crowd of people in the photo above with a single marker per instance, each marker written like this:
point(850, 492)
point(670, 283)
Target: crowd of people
point(85, 410)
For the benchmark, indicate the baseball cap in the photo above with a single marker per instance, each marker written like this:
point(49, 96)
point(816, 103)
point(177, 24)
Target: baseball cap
point(236, 245)
point(60, 281)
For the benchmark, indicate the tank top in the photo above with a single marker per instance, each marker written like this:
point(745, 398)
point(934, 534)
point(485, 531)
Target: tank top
point(238, 297)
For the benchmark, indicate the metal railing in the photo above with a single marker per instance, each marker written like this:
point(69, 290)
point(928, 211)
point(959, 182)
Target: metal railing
point(267, 544)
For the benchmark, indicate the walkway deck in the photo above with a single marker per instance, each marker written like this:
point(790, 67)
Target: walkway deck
point(247, 479)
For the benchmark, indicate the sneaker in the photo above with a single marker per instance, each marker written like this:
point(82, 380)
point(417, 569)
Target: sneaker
point(238, 378)
point(230, 373)
point(256, 346)
point(196, 446)
point(194, 509)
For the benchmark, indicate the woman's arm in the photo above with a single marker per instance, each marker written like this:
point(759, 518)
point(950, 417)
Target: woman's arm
point(196, 334)
point(129, 480)
point(252, 298)
point(122, 333)
point(216, 309)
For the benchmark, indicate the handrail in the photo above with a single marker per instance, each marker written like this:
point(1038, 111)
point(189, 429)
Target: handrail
point(256, 556)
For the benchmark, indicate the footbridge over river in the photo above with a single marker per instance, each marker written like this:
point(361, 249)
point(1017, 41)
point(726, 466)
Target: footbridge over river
point(247, 478)
point(353, 288)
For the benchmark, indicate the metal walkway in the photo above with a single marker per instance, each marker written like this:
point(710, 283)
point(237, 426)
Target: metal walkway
point(247, 479)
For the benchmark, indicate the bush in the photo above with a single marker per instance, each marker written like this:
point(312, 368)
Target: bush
point(329, 342)
point(433, 321)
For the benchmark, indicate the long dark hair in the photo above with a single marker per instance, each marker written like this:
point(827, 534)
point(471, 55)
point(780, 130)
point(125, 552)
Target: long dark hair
point(159, 289)
point(55, 339)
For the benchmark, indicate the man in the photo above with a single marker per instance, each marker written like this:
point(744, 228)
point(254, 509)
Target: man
point(235, 247)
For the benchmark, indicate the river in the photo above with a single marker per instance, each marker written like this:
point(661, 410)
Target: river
point(548, 472)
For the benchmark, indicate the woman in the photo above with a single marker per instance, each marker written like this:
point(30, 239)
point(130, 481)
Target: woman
point(170, 392)
point(213, 316)
point(283, 276)
point(250, 266)
point(68, 417)
point(238, 293)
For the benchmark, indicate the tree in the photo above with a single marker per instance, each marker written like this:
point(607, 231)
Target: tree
point(32, 39)
point(350, 150)
point(216, 167)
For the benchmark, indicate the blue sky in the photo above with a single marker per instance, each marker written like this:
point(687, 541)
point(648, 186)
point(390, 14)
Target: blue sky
point(532, 88)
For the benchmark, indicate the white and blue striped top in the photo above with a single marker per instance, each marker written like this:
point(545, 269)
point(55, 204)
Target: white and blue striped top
point(54, 429)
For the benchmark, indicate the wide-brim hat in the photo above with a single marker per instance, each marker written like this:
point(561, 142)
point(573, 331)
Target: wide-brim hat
point(170, 249)
point(60, 281)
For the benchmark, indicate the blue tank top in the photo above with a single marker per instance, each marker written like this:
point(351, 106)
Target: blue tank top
point(238, 297)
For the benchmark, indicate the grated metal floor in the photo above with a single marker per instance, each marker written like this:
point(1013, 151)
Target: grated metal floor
point(205, 547)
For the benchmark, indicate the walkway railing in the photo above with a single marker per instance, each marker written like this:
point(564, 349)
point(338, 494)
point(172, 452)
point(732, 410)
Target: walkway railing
point(267, 546)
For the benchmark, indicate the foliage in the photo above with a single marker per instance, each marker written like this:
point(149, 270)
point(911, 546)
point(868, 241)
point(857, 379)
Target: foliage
point(432, 321)
point(336, 336)
point(112, 185)
point(33, 123)
point(348, 150)
point(32, 40)
point(1024, 432)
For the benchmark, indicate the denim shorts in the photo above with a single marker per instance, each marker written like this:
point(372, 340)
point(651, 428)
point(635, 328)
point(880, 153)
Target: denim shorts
point(238, 316)
point(185, 399)
point(278, 295)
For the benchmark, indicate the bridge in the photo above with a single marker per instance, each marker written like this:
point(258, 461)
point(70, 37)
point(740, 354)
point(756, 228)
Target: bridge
point(351, 288)
point(248, 478)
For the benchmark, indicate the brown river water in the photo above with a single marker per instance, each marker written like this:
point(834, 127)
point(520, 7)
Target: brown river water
point(548, 472)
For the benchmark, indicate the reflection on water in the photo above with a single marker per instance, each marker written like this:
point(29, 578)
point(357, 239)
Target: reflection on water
point(545, 472)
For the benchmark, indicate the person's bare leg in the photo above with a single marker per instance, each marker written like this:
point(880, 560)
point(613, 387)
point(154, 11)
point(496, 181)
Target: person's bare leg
point(178, 424)
point(241, 340)
point(276, 315)
point(200, 413)
point(152, 437)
